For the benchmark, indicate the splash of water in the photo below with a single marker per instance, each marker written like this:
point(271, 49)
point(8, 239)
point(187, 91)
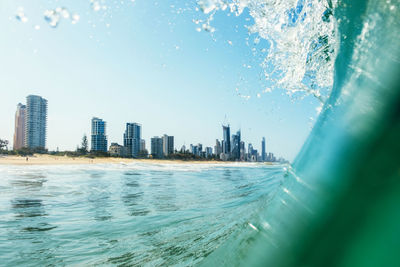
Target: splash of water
point(54, 16)
point(301, 36)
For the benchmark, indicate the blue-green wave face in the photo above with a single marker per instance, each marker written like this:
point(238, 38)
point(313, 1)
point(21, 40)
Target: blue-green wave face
point(338, 205)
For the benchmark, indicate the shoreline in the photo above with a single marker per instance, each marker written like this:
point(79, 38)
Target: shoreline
point(44, 159)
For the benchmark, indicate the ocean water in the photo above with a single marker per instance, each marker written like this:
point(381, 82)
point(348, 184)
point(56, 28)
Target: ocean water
point(127, 214)
point(339, 203)
point(336, 205)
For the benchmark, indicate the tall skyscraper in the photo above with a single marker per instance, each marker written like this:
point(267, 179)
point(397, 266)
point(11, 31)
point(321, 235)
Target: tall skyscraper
point(99, 137)
point(157, 147)
point(208, 152)
point(168, 145)
point(226, 143)
point(217, 147)
point(242, 151)
point(263, 156)
point(19, 131)
point(132, 137)
point(35, 122)
point(236, 146)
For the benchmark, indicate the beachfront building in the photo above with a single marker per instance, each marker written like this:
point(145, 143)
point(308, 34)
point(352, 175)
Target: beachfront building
point(98, 137)
point(217, 148)
point(208, 152)
point(271, 157)
point(226, 142)
point(183, 149)
point(132, 139)
point(252, 154)
point(263, 156)
point(236, 146)
point(157, 147)
point(242, 151)
point(142, 145)
point(116, 150)
point(168, 145)
point(19, 130)
point(35, 122)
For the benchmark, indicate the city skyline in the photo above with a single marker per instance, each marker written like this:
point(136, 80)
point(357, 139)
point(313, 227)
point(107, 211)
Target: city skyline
point(231, 146)
point(164, 74)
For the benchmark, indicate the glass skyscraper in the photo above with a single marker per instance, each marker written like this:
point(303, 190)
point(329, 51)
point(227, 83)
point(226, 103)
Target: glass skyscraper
point(168, 145)
point(157, 147)
point(263, 156)
point(132, 139)
point(99, 137)
point(226, 143)
point(35, 122)
point(236, 146)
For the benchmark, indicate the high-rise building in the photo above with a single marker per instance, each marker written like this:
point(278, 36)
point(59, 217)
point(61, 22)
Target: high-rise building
point(99, 137)
point(263, 156)
point(35, 122)
point(132, 137)
point(157, 147)
point(19, 130)
point(217, 147)
point(168, 145)
point(236, 146)
point(208, 152)
point(226, 143)
point(142, 145)
point(242, 151)
point(196, 150)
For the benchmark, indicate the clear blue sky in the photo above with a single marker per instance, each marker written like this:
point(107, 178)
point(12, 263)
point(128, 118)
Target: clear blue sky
point(145, 62)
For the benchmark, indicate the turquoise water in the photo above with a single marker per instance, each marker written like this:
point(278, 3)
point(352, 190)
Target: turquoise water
point(339, 202)
point(136, 214)
point(337, 205)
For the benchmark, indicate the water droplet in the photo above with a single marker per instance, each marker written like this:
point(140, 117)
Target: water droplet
point(208, 28)
point(95, 5)
point(20, 16)
point(52, 17)
point(75, 18)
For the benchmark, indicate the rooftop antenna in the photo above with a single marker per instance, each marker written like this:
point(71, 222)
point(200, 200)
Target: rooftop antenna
point(225, 120)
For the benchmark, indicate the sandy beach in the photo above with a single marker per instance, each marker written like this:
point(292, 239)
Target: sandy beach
point(39, 159)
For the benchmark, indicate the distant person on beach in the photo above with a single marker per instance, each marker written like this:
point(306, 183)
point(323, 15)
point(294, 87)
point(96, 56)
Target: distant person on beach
point(26, 158)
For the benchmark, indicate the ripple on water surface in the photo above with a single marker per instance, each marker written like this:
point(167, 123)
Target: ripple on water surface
point(135, 214)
